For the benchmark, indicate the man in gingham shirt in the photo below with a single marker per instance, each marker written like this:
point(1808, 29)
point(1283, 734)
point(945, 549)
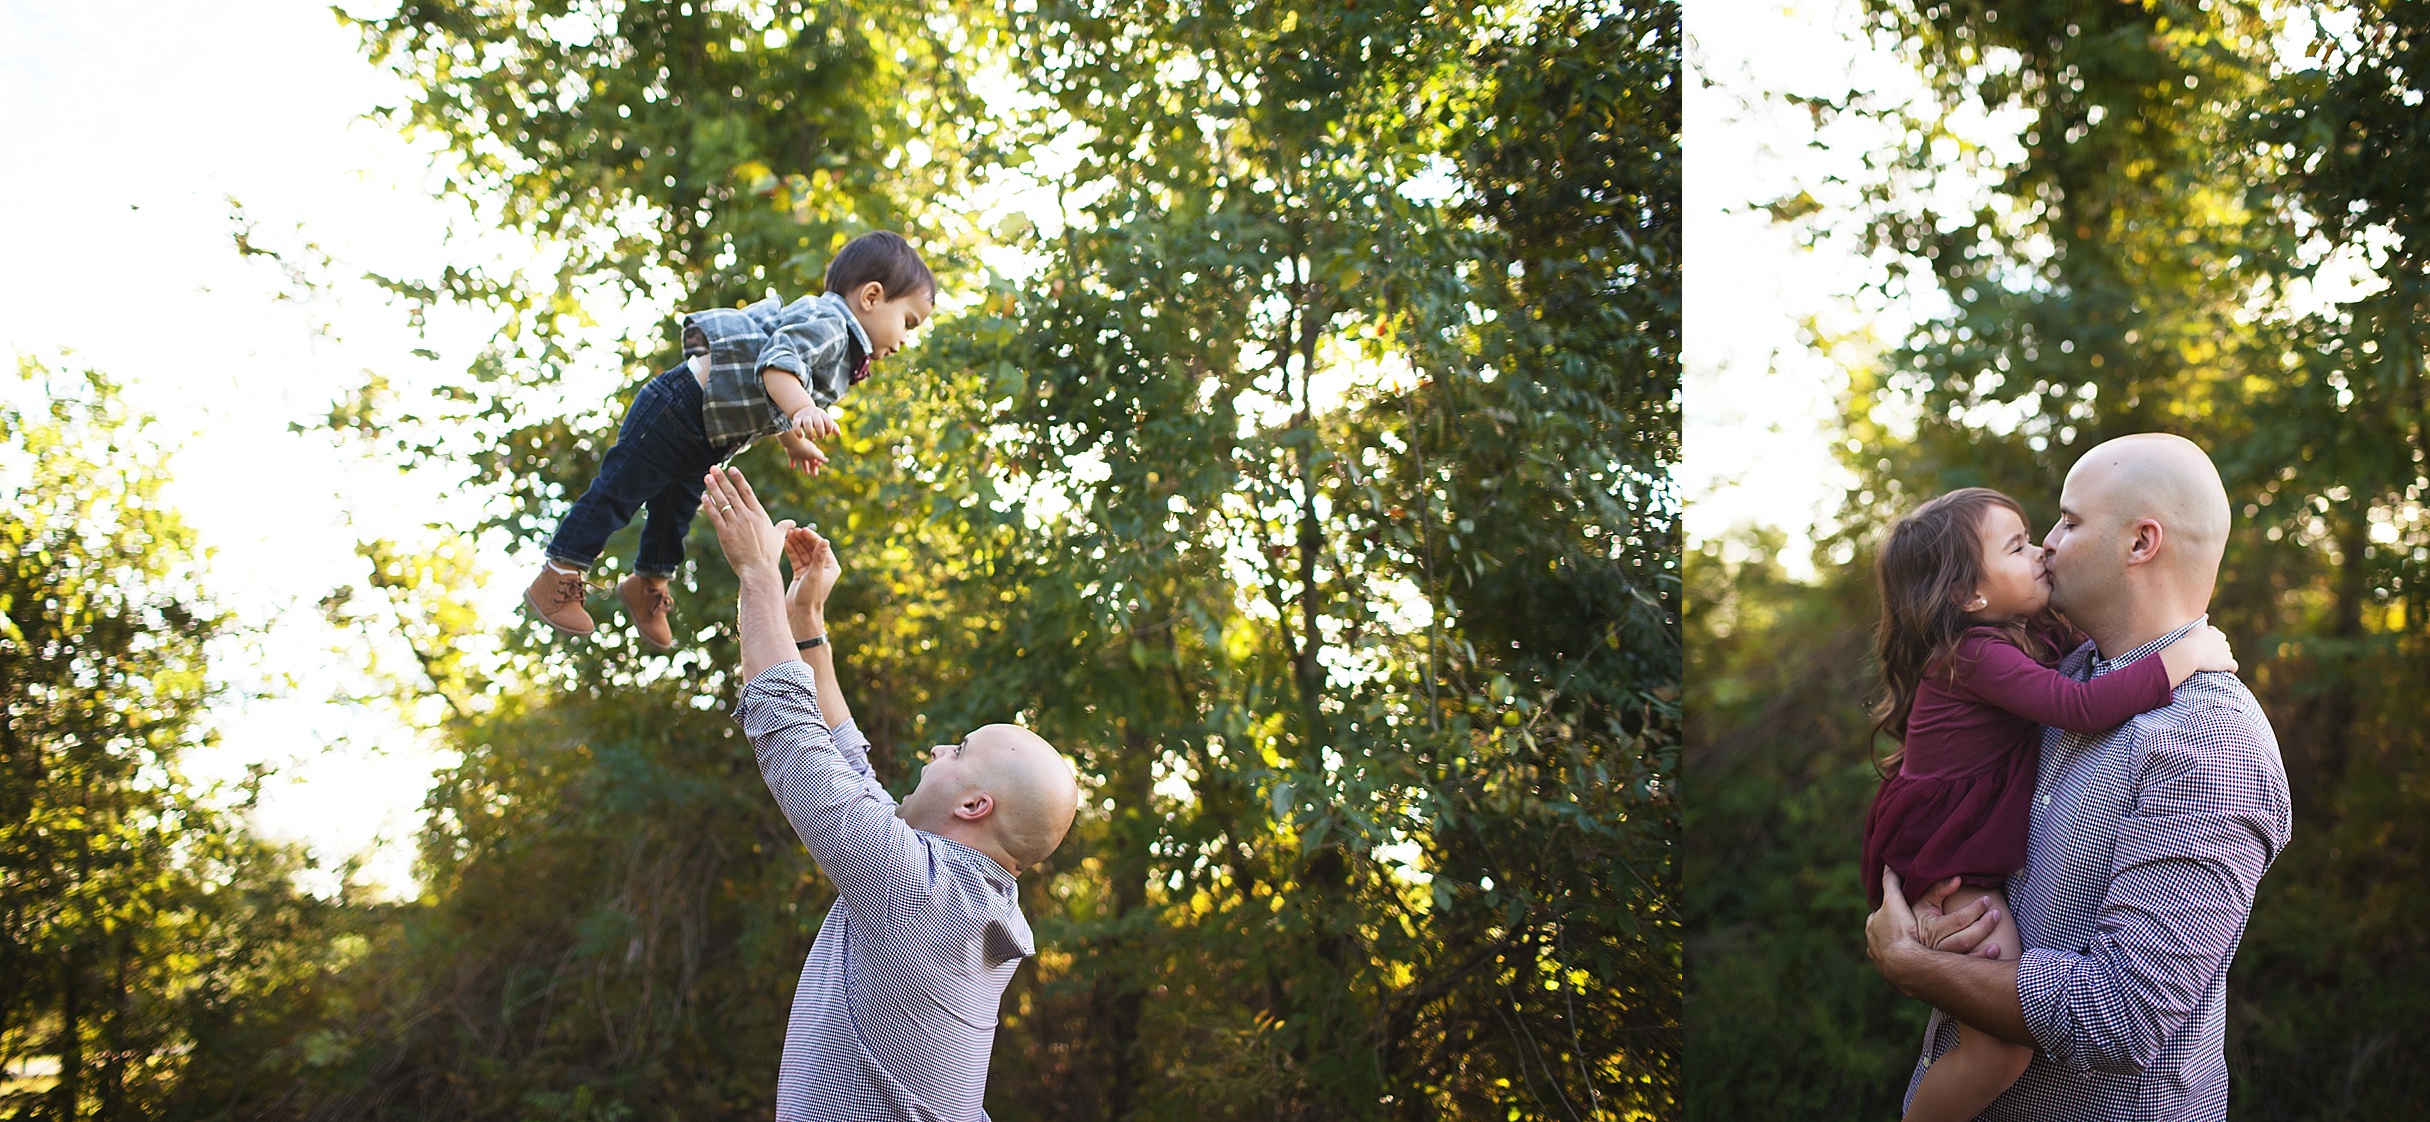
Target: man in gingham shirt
point(2148, 841)
point(896, 1014)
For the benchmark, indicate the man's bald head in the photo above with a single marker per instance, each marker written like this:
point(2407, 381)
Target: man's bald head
point(2167, 479)
point(1003, 790)
point(2143, 525)
point(1036, 795)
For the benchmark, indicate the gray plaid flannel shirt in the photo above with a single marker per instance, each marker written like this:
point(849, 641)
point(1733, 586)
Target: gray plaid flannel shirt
point(814, 337)
point(2148, 842)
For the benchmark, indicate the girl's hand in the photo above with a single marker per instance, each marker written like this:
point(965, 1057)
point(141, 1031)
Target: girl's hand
point(2203, 648)
point(813, 421)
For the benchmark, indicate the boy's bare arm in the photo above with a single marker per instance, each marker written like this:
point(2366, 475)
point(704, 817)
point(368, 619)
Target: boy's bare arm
point(785, 388)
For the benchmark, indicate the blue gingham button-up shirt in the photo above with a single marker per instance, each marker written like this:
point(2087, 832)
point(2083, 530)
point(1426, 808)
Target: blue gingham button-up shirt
point(896, 1014)
point(2148, 842)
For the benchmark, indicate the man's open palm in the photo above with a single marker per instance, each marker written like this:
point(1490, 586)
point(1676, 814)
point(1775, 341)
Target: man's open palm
point(815, 570)
point(744, 532)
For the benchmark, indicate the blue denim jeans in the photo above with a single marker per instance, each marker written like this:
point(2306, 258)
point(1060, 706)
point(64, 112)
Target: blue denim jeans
point(657, 463)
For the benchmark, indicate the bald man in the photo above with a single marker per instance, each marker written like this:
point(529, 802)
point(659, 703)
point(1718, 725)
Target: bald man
point(896, 1013)
point(2147, 842)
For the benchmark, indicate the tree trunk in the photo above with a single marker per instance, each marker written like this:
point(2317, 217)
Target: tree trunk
point(2337, 702)
point(70, 1088)
point(114, 1059)
point(1119, 992)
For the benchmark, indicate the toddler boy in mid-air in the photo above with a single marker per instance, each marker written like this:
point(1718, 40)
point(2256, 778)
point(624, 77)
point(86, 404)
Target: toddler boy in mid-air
point(748, 372)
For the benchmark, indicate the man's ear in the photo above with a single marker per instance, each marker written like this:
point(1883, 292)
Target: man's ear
point(2145, 545)
point(974, 806)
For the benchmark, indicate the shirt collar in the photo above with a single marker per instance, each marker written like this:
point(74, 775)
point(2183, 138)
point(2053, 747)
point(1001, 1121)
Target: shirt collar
point(852, 322)
point(988, 867)
point(2105, 665)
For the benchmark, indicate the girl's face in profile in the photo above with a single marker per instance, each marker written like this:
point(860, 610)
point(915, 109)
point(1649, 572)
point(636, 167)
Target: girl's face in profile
point(2015, 581)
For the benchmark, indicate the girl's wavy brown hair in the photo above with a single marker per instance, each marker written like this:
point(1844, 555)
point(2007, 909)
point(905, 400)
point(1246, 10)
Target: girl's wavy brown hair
point(1929, 566)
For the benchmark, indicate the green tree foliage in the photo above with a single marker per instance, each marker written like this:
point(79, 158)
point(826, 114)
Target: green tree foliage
point(1784, 1019)
point(2341, 434)
point(1313, 494)
point(1491, 463)
point(2154, 262)
point(150, 946)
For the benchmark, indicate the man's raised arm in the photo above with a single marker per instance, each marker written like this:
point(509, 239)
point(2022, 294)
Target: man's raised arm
point(815, 570)
point(752, 544)
point(825, 788)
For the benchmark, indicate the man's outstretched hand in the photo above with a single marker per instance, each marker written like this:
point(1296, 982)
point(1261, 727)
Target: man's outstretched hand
point(750, 541)
point(815, 570)
point(752, 545)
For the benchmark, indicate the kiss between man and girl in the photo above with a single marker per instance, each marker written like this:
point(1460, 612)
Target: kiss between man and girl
point(2063, 854)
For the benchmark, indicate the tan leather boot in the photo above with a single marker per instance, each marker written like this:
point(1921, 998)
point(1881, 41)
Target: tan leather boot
point(646, 600)
point(556, 597)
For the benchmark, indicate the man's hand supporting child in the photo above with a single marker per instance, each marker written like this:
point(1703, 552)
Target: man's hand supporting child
point(1933, 965)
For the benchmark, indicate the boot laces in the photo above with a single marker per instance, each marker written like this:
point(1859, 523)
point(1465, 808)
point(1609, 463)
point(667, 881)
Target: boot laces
point(656, 599)
point(569, 588)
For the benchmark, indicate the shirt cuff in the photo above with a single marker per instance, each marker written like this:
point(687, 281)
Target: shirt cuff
point(2042, 993)
point(784, 694)
point(780, 360)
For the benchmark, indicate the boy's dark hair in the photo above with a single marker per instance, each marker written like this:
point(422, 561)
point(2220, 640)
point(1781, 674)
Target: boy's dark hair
point(882, 256)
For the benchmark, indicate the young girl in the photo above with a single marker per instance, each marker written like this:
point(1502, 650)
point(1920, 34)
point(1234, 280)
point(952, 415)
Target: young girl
point(1968, 642)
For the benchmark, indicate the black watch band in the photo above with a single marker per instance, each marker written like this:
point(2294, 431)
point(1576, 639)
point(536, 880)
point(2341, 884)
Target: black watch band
point(806, 644)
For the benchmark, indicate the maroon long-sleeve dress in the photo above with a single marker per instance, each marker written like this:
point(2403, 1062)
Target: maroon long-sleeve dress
point(1962, 799)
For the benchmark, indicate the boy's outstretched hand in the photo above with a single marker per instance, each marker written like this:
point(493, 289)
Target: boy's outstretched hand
point(814, 421)
point(800, 452)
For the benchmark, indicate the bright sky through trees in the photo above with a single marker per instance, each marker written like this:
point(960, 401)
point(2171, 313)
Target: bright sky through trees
point(1759, 403)
point(1777, 262)
point(132, 127)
